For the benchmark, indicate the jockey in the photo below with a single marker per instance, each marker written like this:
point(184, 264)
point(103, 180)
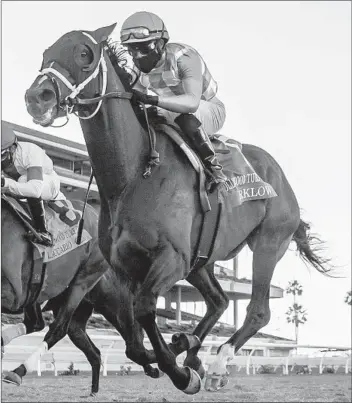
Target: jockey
point(177, 74)
point(30, 175)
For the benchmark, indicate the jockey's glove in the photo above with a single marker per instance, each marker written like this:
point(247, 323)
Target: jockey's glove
point(145, 98)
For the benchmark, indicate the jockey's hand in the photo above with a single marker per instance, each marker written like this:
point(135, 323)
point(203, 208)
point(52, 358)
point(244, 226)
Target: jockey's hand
point(2, 181)
point(145, 98)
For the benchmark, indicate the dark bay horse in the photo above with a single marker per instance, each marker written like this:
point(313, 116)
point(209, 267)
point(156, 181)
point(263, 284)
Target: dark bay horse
point(149, 225)
point(72, 274)
point(68, 280)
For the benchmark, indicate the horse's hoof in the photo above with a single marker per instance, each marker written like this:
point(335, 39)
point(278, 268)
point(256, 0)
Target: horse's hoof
point(175, 337)
point(92, 394)
point(194, 384)
point(152, 372)
point(195, 363)
point(214, 382)
point(13, 378)
point(201, 371)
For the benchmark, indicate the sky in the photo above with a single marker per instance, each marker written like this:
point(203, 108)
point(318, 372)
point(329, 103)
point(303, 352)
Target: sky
point(284, 73)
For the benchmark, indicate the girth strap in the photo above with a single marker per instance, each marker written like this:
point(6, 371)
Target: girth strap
point(208, 232)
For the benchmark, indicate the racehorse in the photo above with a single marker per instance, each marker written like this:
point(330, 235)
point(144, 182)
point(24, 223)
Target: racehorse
point(68, 279)
point(150, 220)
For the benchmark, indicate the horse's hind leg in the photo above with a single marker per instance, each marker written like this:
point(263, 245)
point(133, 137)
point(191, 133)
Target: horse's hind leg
point(121, 317)
point(79, 337)
point(269, 245)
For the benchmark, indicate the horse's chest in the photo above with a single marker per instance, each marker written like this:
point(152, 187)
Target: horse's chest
point(131, 246)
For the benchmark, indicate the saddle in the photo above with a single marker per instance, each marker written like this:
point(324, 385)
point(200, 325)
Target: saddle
point(243, 182)
point(62, 221)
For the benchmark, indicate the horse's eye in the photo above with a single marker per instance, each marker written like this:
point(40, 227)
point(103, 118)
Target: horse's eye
point(83, 55)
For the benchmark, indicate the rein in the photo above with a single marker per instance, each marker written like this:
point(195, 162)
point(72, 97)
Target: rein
point(73, 100)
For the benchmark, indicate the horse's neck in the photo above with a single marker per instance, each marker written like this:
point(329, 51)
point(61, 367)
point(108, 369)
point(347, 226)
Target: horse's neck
point(116, 142)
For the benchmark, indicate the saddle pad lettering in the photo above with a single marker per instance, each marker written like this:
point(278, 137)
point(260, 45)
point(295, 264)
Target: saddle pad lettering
point(62, 221)
point(246, 183)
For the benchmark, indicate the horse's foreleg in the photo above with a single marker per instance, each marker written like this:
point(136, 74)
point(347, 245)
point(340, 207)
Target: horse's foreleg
point(71, 298)
point(136, 351)
point(79, 337)
point(216, 301)
point(120, 315)
point(165, 271)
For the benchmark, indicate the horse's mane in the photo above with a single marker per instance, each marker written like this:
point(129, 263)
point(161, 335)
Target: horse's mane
point(118, 56)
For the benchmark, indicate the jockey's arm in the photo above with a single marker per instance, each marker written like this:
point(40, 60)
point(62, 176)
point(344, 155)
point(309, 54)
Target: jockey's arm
point(139, 87)
point(32, 188)
point(190, 72)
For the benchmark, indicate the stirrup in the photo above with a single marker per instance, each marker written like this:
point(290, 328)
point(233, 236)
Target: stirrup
point(217, 174)
point(45, 238)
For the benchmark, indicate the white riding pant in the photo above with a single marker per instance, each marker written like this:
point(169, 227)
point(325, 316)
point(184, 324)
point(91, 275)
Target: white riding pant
point(211, 114)
point(51, 186)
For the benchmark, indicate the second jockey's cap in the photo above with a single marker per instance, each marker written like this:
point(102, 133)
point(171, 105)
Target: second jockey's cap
point(8, 137)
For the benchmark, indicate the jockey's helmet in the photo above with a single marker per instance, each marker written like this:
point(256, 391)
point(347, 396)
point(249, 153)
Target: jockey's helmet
point(145, 36)
point(141, 27)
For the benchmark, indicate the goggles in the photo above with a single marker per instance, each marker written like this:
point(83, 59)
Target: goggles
point(4, 154)
point(142, 47)
point(138, 33)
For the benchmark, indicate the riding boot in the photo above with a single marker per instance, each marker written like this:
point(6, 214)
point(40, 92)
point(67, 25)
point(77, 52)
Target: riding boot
point(36, 207)
point(190, 125)
point(206, 152)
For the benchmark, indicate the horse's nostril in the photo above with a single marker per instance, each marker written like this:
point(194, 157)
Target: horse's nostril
point(46, 95)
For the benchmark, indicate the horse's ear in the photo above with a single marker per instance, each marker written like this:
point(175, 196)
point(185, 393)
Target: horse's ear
point(102, 34)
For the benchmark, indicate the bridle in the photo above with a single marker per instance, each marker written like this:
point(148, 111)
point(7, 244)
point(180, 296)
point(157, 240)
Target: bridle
point(72, 99)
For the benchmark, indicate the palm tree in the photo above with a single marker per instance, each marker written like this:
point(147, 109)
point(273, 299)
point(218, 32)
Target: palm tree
point(295, 313)
point(348, 298)
point(295, 288)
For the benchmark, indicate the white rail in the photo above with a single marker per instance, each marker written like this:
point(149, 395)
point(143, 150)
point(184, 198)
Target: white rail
point(112, 347)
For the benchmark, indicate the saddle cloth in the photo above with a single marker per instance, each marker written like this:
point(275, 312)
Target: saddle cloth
point(244, 183)
point(62, 221)
point(242, 177)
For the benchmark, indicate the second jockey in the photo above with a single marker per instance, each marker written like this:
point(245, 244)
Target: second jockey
point(177, 74)
point(30, 174)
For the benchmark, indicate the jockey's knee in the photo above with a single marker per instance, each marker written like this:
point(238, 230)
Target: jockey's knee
point(22, 179)
point(188, 122)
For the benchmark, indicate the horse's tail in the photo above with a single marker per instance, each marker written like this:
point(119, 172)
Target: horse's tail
point(309, 246)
